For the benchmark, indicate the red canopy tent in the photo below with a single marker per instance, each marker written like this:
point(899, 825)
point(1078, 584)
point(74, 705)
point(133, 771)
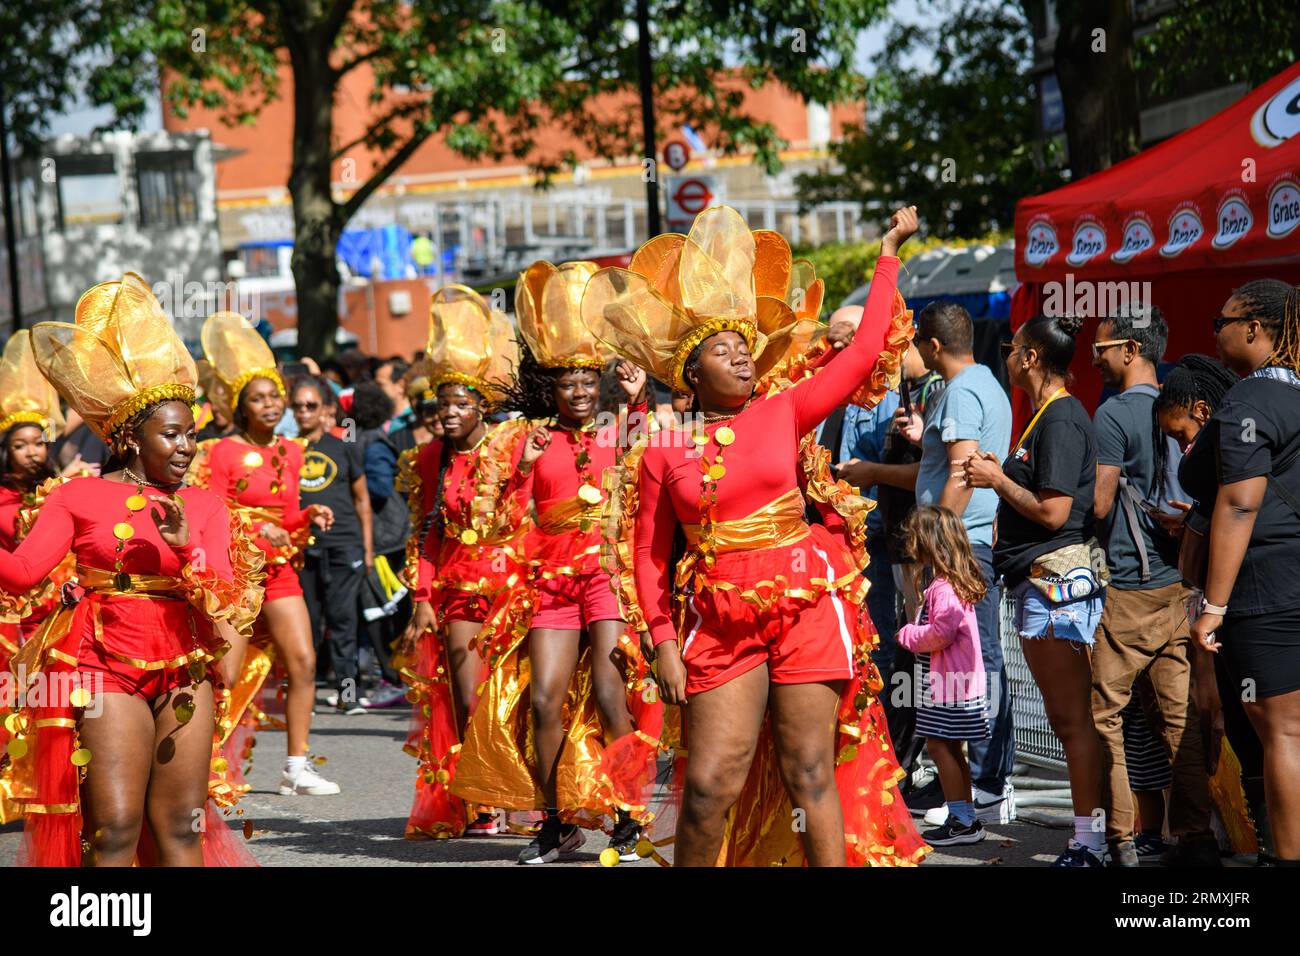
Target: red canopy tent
point(1195, 217)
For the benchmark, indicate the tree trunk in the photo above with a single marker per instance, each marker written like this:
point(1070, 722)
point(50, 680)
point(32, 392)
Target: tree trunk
point(316, 220)
point(1099, 88)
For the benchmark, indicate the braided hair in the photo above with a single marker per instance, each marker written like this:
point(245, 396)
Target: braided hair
point(1196, 378)
point(1276, 305)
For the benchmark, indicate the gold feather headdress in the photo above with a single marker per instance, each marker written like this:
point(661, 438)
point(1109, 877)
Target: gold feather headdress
point(120, 357)
point(680, 290)
point(469, 342)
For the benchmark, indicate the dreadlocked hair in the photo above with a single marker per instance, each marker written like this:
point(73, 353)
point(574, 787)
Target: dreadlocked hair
point(532, 393)
point(1276, 305)
point(1196, 378)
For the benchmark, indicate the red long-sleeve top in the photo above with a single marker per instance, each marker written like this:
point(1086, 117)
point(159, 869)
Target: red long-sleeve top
point(554, 480)
point(78, 517)
point(228, 464)
point(11, 499)
point(445, 561)
point(760, 464)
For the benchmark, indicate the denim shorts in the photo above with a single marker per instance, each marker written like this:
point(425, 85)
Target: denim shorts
point(1073, 621)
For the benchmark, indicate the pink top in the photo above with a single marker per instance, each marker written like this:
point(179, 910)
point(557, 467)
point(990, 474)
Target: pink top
point(951, 637)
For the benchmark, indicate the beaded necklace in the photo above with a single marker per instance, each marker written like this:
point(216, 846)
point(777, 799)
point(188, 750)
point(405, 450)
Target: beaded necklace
point(588, 491)
point(468, 536)
point(253, 461)
point(124, 531)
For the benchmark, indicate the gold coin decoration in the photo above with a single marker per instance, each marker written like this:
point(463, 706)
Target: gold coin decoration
point(241, 485)
point(724, 436)
point(184, 708)
point(644, 848)
point(717, 471)
point(13, 723)
point(590, 494)
point(123, 531)
point(219, 765)
point(80, 757)
point(275, 487)
point(609, 856)
point(253, 460)
point(443, 776)
point(17, 749)
point(79, 697)
point(469, 536)
point(137, 502)
point(700, 438)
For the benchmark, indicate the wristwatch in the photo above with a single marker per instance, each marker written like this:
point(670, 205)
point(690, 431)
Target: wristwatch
point(1219, 609)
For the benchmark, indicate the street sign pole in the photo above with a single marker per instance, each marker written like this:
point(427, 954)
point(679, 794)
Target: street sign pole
point(646, 69)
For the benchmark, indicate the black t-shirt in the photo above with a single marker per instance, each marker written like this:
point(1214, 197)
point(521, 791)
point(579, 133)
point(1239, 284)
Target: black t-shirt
point(1059, 455)
point(1255, 429)
point(329, 466)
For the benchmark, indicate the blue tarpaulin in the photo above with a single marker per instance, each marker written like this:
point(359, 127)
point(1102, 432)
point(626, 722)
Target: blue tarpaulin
point(383, 252)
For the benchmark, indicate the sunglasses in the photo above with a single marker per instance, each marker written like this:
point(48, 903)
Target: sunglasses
point(305, 406)
point(1008, 348)
point(1224, 320)
point(1099, 347)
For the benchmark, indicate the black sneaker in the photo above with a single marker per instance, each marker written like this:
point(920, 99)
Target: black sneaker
point(1149, 844)
point(953, 833)
point(1076, 854)
point(925, 799)
point(626, 835)
point(553, 840)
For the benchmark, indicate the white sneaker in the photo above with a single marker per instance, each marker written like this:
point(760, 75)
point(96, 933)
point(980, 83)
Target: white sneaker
point(307, 784)
point(989, 807)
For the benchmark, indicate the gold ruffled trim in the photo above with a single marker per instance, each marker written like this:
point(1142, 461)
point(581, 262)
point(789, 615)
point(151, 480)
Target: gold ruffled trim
point(29, 418)
point(622, 501)
point(170, 392)
point(411, 483)
point(243, 378)
point(239, 600)
point(699, 333)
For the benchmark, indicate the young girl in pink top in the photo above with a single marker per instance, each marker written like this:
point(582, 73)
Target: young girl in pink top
point(952, 706)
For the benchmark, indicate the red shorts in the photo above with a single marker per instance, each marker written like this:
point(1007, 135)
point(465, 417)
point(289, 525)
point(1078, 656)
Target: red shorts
point(101, 672)
point(463, 606)
point(800, 643)
point(281, 582)
point(571, 602)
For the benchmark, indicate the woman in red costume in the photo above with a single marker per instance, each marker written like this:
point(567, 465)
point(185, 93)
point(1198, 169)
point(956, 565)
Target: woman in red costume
point(769, 611)
point(256, 472)
point(29, 414)
point(116, 730)
point(561, 471)
point(464, 548)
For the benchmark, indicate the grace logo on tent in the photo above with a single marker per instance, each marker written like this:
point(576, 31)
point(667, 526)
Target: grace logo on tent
point(1279, 119)
point(1283, 208)
point(1234, 220)
point(1185, 229)
point(1040, 241)
point(1139, 236)
point(1089, 241)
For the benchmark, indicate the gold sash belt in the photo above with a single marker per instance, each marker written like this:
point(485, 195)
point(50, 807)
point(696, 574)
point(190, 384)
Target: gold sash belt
point(776, 524)
point(156, 586)
point(273, 514)
point(568, 516)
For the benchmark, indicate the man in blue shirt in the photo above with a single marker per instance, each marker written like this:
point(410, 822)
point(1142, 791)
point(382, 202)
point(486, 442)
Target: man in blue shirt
point(971, 414)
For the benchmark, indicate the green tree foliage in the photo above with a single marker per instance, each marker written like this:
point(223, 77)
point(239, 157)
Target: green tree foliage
point(1220, 42)
point(956, 136)
point(490, 75)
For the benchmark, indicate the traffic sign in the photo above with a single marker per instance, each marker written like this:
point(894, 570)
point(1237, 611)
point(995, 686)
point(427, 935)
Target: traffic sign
point(688, 196)
point(676, 155)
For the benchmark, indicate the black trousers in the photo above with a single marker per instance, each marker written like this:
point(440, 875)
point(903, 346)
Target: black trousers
point(330, 580)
